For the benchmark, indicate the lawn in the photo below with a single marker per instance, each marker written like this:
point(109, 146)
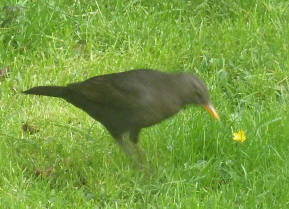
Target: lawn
point(53, 155)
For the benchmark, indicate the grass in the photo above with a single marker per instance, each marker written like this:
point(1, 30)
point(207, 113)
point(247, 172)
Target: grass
point(239, 49)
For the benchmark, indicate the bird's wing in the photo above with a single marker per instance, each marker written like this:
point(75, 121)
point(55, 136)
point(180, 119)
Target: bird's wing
point(112, 91)
point(143, 99)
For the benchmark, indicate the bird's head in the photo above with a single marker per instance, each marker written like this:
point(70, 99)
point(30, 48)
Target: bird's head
point(197, 93)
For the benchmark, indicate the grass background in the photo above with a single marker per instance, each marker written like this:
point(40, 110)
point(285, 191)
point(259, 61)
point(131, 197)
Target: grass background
point(240, 49)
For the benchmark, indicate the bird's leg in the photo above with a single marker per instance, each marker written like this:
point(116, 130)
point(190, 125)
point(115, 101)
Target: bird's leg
point(128, 144)
point(141, 157)
point(134, 140)
point(123, 142)
point(128, 147)
point(133, 135)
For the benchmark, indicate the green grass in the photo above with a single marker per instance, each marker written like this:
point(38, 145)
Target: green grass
point(239, 49)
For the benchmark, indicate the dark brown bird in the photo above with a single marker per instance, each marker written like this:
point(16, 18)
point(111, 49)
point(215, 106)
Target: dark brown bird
point(128, 101)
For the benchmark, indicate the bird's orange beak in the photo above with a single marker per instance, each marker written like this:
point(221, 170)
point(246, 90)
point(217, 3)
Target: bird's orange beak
point(211, 110)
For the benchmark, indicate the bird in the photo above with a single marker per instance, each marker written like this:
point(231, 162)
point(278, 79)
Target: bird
point(125, 102)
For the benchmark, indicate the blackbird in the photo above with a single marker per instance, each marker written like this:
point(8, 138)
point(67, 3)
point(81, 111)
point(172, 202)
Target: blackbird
point(126, 102)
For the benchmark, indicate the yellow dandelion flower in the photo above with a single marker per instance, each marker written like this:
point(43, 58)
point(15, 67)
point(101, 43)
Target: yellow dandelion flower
point(239, 136)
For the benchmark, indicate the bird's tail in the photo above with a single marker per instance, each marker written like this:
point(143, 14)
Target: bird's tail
point(52, 91)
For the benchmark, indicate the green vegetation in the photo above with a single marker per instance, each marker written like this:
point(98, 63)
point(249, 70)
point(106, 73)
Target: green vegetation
point(70, 161)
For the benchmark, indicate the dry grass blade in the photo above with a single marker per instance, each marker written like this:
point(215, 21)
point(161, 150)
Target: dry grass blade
point(44, 172)
point(29, 129)
point(4, 72)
